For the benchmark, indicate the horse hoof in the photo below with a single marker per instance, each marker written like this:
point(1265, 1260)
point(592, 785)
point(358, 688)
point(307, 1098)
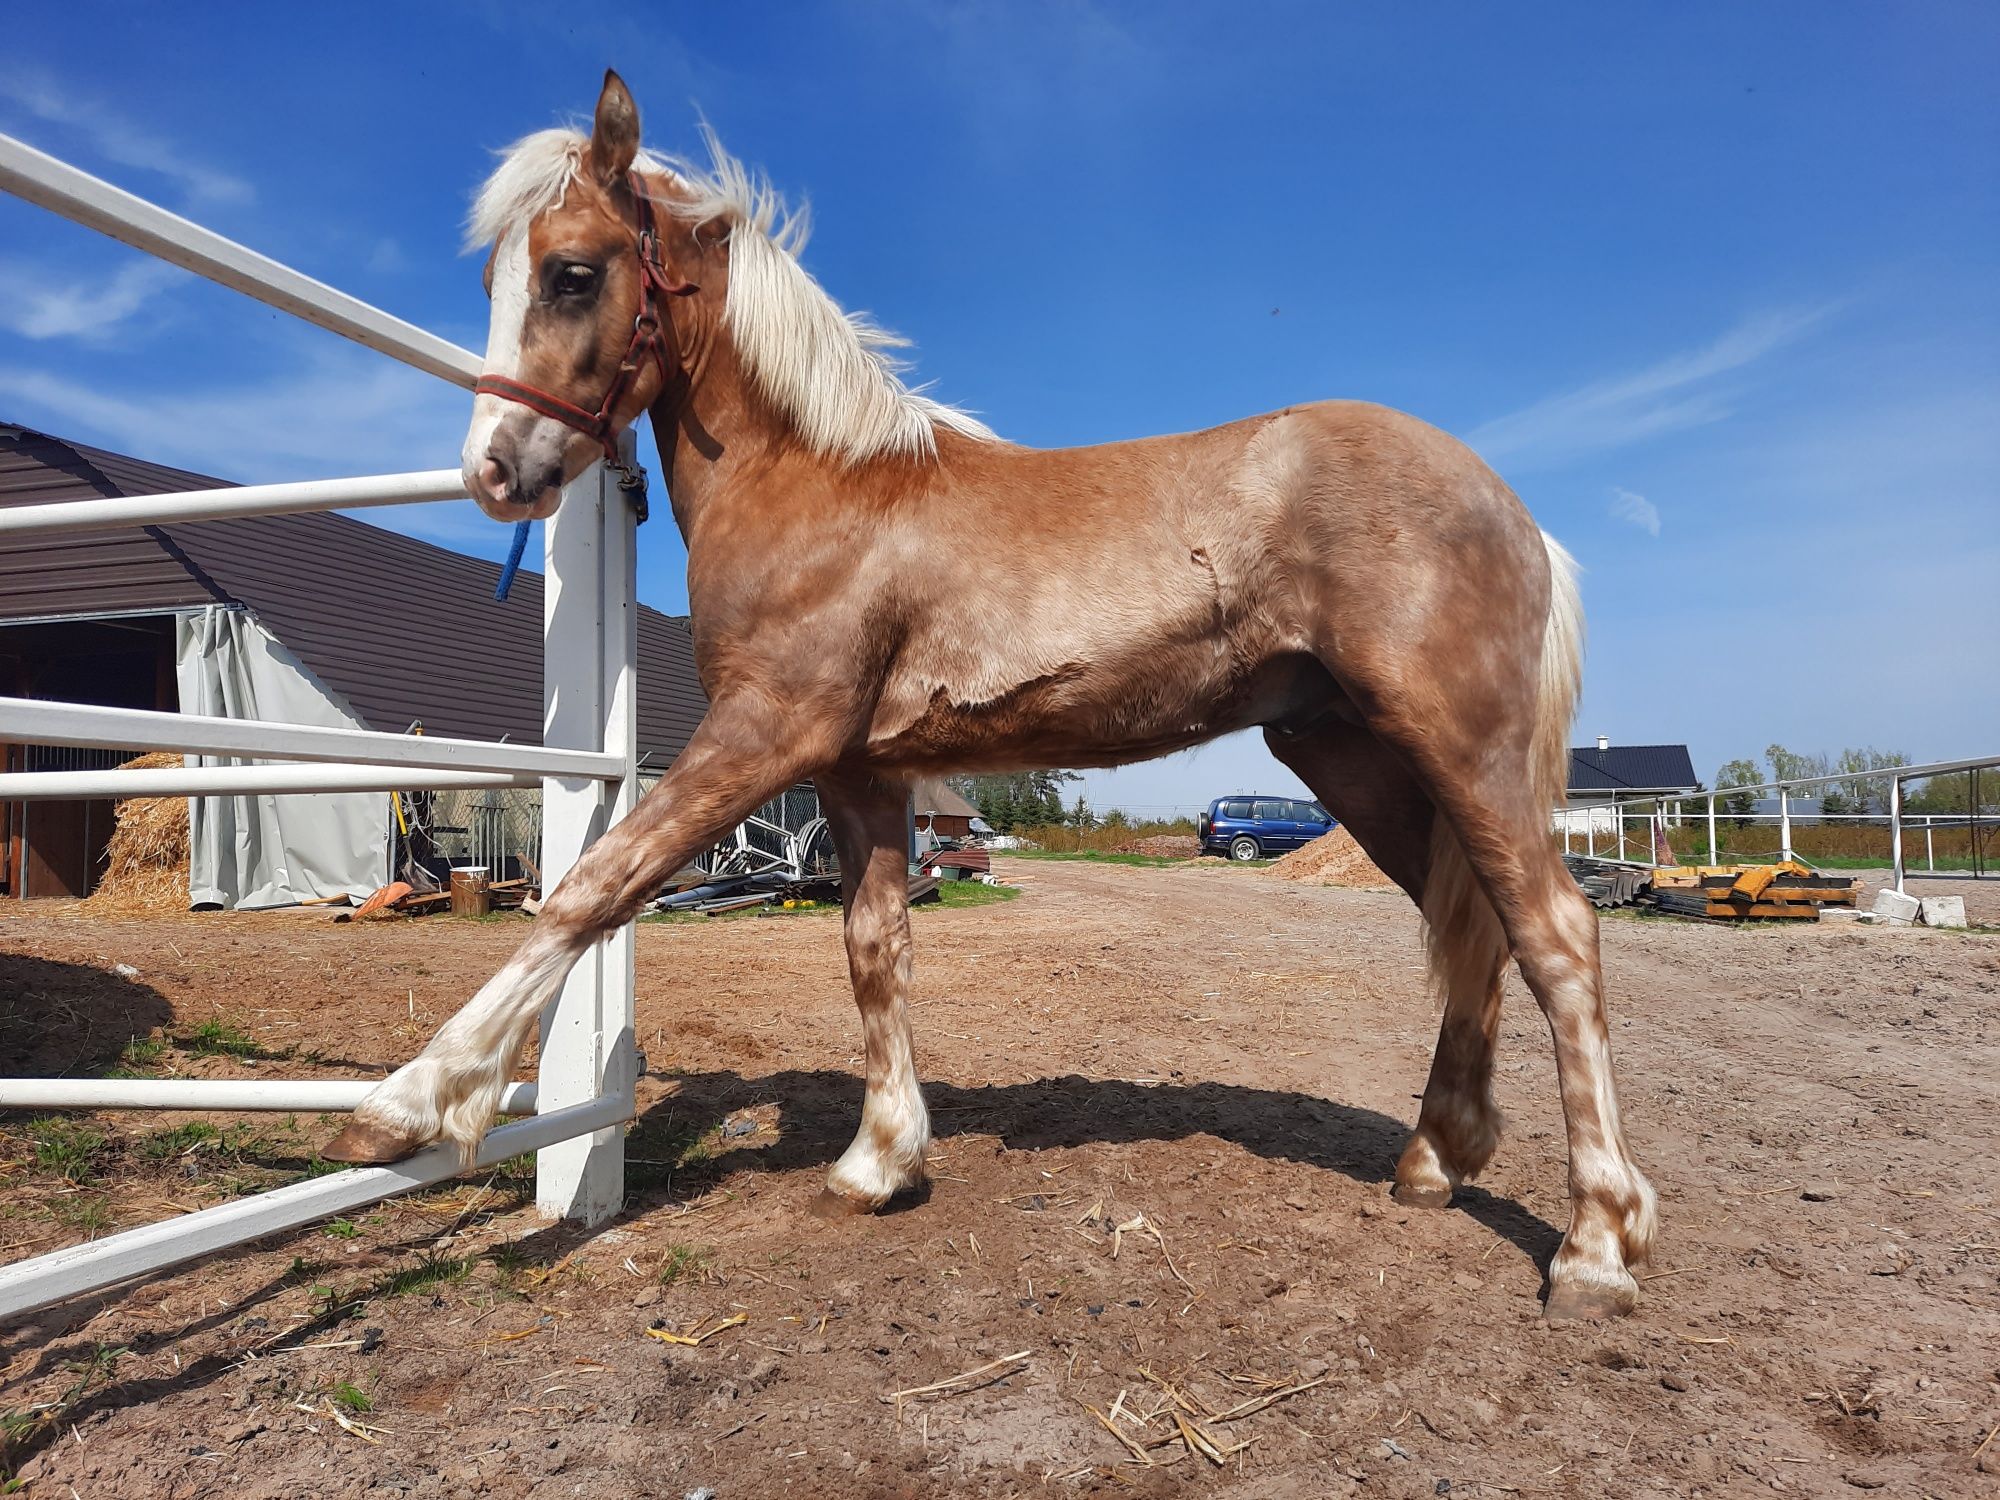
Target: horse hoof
point(1589, 1302)
point(832, 1205)
point(1411, 1196)
point(370, 1145)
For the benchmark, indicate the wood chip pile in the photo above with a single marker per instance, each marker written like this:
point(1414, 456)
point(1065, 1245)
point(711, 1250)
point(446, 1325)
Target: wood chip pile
point(1332, 859)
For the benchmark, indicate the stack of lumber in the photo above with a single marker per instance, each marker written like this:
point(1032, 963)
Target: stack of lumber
point(1785, 890)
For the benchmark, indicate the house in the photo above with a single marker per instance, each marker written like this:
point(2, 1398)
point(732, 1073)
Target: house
point(316, 619)
point(1604, 775)
point(936, 808)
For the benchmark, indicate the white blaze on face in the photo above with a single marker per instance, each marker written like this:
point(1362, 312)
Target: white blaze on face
point(503, 341)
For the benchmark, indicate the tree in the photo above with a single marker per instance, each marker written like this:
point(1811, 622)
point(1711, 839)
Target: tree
point(1080, 815)
point(1863, 793)
point(1016, 799)
point(1738, 773)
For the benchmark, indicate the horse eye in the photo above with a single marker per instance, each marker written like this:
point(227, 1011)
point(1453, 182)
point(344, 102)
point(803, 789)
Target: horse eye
point(575, 281)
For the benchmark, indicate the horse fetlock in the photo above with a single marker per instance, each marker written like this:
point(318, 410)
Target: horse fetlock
point(1423, 1178)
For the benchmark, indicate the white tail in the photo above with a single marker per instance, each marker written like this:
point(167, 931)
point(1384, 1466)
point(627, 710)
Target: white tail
point(1463, 938)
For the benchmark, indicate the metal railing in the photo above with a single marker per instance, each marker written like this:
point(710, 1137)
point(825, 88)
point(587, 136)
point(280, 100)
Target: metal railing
point(585, 769)
point(1897, 820)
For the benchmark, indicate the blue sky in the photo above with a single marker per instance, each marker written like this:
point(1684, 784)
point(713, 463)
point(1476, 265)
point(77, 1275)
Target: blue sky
point(1714, 287)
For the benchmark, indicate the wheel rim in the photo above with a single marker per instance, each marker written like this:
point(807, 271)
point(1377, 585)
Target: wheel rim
point(1243, 849)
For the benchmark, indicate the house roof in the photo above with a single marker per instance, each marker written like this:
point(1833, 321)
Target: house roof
point(1631, 768)
point(399, 628)
point(930, 796)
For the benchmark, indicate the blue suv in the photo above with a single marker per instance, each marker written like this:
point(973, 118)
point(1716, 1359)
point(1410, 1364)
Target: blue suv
point(1254, 827)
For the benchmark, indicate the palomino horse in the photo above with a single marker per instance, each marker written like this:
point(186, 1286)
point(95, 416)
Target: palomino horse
point(1356, 583)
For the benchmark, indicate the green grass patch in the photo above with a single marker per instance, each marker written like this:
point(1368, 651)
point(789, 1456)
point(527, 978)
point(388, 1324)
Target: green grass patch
point(341, 1229)
point(954, 894)
point(213, 1038)
point(178, 1141)
point(347, 1394)
point(71, 1149)
point(685, 1263)
point(141, 1055)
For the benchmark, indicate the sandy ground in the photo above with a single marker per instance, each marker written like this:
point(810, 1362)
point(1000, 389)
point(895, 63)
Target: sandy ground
point(1234, 1058)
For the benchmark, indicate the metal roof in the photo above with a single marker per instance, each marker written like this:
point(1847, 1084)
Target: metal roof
point(1631, 768)
point(931, 796)
point(400, 629)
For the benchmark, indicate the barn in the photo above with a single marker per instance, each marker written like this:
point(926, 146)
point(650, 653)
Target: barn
point(935, 807)
point(312, 619)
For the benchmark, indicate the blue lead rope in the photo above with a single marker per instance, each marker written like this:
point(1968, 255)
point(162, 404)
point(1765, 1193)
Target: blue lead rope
point(513, 563)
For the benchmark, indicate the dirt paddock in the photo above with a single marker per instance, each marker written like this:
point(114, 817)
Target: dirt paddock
point(1167, 1105)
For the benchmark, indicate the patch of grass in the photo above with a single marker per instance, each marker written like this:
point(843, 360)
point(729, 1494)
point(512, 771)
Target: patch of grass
point(658, 1152)
point(341, 1229)
point(87, 1213)
point(956, 894)
point(162, 1144)
point(685, 1262)
point(1096, 856)
point(215, 1037)
point(71, 1149)
point(427, 1275)
point(141, 1055)
point(349, 1395)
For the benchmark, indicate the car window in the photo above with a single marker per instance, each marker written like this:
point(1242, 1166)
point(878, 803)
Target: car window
point(1300, 812)
point(1236, 808)
point(1317, 813)
point(1271, 811)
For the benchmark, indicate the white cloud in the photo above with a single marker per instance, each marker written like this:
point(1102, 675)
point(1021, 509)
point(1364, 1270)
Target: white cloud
point(116, 138)
point(346, 411)
point(1675, 393)
point(39, 308)
point(1635, 510)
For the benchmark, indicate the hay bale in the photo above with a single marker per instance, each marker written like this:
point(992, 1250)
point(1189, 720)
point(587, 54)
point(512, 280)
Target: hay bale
point(148, 852)
point(1332, 859)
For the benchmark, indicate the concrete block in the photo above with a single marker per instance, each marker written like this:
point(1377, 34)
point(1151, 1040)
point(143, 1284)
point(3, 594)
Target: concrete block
point(1894, 906)
point(1944, 911)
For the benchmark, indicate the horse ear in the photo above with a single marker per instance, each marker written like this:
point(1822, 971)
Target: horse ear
point(614, 134)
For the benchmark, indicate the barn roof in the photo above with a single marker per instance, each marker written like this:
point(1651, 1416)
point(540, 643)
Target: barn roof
point(931, 796)
point(1631, 768)
point(399, 628)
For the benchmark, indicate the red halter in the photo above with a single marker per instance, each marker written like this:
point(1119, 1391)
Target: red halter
point(652, 339)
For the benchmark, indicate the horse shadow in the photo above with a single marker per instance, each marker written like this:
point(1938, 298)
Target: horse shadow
point(818, 1110)
point(64, 1020)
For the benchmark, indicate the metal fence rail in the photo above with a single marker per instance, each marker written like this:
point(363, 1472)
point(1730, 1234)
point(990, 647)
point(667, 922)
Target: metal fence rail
point(585, 768)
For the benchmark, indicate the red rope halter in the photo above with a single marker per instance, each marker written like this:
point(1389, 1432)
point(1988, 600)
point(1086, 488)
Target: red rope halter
point(652, 339)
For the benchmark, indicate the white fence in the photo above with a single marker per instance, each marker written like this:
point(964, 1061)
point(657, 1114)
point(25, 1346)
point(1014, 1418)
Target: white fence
point(1615, 829)
point(585, 768)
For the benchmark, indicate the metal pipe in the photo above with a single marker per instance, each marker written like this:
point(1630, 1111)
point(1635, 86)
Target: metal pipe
point(1930, 846)
point(101, 1264)
point(1785, 821)
point(1714, 850)
point(244, 781)
point(96, 204)
point(242, 500)
point(35, 721)
point(222, 1095)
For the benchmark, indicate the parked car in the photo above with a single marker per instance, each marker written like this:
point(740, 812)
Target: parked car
point(1254, 827)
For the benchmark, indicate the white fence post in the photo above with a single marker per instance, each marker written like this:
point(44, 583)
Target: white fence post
point(1896, 828)
point(1784, 822)
point(589, 703)
point(1713, 857)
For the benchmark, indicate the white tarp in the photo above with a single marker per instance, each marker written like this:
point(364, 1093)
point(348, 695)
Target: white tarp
point(270, 851)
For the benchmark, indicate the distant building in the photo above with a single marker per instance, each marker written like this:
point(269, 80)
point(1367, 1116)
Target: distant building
point(1603, 775)
point(936, 808)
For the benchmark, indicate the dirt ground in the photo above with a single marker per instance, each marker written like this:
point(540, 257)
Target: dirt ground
point(1233, 1058)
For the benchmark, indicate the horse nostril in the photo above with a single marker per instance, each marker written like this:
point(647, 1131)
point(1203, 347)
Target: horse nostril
point(496, 477)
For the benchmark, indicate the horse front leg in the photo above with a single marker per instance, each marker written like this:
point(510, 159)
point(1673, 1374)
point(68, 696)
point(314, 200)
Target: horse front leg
point(740, 757)
point(871, 830)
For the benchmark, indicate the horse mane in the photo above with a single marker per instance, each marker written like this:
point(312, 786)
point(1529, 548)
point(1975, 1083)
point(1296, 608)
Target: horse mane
point(830, 372)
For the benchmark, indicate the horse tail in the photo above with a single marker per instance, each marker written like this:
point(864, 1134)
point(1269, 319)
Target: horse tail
point(1463, 937)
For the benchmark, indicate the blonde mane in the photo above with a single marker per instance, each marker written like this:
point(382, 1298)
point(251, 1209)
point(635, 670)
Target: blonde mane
point(830, 372)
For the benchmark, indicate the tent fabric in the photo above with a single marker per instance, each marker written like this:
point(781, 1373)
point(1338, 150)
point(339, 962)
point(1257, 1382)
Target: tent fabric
point(266, 851)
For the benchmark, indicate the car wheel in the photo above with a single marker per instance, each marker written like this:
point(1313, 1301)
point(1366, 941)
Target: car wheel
point(1244, 848)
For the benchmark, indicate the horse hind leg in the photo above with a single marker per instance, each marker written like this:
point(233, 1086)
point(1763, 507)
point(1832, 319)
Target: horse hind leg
point(871, 832)
point(1377, 799)
point(1458, 1126)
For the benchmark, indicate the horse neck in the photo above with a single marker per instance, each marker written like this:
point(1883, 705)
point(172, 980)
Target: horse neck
point(712, 435)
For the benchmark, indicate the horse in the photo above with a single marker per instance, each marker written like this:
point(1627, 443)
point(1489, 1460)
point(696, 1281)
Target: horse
point(1356, 583)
